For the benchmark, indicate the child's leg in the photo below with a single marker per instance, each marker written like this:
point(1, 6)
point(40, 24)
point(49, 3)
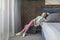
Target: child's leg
point(31, 23)
point(26, 29)
point(21, 31)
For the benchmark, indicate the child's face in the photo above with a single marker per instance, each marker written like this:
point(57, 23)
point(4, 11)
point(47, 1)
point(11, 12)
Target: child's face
point(44, 15)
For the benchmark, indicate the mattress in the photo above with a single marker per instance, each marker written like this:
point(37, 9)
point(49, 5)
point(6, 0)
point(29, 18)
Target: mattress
point(51, 31)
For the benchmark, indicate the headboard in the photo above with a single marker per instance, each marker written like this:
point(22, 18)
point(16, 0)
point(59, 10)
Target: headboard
point(55, 17)
point(51, 10)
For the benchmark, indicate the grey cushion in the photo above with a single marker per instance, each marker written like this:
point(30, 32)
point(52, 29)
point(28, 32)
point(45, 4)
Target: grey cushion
point(54, 17)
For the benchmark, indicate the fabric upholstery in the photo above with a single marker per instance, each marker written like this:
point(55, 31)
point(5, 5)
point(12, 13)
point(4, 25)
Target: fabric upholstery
point(54, 17)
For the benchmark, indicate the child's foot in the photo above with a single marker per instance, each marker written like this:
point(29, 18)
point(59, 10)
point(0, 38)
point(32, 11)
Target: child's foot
point(20, 33)
point(24, 34)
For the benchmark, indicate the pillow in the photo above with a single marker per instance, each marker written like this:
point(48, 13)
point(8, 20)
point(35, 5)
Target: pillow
point(54, 17)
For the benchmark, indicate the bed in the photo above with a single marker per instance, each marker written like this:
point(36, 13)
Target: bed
point(51, 28)
point(51, 31)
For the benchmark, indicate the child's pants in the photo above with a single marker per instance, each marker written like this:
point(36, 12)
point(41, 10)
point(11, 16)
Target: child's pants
point(26, 28)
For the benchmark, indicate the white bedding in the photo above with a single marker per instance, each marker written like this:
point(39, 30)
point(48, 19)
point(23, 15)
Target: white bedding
point(51, 31)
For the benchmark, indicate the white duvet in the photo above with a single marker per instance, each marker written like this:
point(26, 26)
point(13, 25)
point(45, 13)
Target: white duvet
point(51, 31)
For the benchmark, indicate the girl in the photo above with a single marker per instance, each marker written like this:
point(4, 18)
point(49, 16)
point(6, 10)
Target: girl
point(36, 22)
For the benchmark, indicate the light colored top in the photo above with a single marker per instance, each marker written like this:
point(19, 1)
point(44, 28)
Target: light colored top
point(39, 20)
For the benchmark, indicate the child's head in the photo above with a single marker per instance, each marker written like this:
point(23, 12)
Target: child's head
point(44, 14)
